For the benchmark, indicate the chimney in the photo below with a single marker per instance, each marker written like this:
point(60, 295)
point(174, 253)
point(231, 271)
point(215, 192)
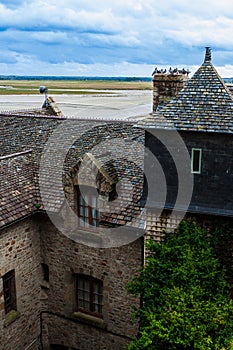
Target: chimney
point(207, 55)
point(166, 85)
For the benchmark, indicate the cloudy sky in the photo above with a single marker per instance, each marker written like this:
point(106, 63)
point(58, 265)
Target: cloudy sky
point(113, 37)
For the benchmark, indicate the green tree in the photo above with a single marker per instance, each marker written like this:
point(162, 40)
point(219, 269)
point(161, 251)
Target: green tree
point(186, 301)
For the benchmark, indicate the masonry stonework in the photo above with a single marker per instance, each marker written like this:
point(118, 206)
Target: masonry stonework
point(114, 266)
point(166, 86)
point(20, 250)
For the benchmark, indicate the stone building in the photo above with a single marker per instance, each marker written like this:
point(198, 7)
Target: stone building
point(192, 138)
point(78, 195)
point(64, 276)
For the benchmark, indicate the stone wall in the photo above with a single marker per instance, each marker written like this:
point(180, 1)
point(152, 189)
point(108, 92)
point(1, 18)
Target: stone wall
point(47, 307)
point(166, 86)
point(114, 266)
point(20, 250)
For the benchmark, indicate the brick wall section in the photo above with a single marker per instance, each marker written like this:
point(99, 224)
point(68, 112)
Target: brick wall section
point(20, 250)
point(114, 266)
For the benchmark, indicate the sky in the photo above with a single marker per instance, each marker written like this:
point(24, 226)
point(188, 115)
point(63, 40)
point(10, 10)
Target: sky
point(113, 37)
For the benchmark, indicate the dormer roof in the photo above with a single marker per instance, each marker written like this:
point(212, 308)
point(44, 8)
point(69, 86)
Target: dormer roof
point(204, 104)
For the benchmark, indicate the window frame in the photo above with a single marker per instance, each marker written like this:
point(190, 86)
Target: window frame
point(86, 219)
point(9, 291)
point(193, 168)
point(90, 294)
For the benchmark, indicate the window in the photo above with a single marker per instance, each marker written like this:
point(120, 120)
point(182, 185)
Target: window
point(88, 205)
point(45, 270)
point(89, 295)
point(9, 291)
point(196, 160)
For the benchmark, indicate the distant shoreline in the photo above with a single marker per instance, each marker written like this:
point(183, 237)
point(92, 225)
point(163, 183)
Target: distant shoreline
point(28, 85)
point(80, 78)
point(12, 85)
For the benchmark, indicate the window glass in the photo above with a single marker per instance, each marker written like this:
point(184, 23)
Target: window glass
point(88, 205)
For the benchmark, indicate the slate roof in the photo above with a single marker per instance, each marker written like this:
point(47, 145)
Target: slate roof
point(17, 187)
point(204, 104)
point(129, 185)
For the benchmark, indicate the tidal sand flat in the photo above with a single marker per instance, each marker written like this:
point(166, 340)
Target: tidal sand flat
point(81, 99)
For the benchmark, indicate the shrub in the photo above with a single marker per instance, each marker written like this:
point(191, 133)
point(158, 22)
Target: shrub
point(185, 294)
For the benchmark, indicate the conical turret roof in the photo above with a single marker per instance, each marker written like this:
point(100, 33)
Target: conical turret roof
point(204, 104)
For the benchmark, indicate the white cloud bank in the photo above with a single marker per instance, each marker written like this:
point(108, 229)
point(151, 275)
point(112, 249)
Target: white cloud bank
point(114, 37)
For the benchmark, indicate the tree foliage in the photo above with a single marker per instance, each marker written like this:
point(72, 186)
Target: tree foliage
point(185, 294)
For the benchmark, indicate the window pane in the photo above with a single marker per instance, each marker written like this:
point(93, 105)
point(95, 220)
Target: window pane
point(97, 287)
point(81, 211)
point(87, 305)
point(86, 211)
point(94, 213)
point(86, 199)
point(87, 208)
point(81, 201)
point(86, 285)
point(80, 294)
point(94, 202)
point(81, 303)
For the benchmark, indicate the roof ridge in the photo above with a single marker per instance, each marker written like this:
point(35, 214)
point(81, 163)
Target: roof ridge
point(14, 155)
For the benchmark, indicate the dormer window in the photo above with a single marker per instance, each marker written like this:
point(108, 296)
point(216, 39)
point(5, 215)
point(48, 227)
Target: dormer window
point(196, 157)
point(88, 207)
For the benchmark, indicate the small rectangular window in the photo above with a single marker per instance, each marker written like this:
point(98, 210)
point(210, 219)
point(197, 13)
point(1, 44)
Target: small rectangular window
point(89, 295)
point(45, 270)
point(196, 160)
point(9, 291)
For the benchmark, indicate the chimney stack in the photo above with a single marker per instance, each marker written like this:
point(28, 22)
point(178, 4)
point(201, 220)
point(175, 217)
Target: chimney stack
point(166, 85)
point(207, 54)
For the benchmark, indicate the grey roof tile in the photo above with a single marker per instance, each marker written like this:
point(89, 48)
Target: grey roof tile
point(17, 188)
